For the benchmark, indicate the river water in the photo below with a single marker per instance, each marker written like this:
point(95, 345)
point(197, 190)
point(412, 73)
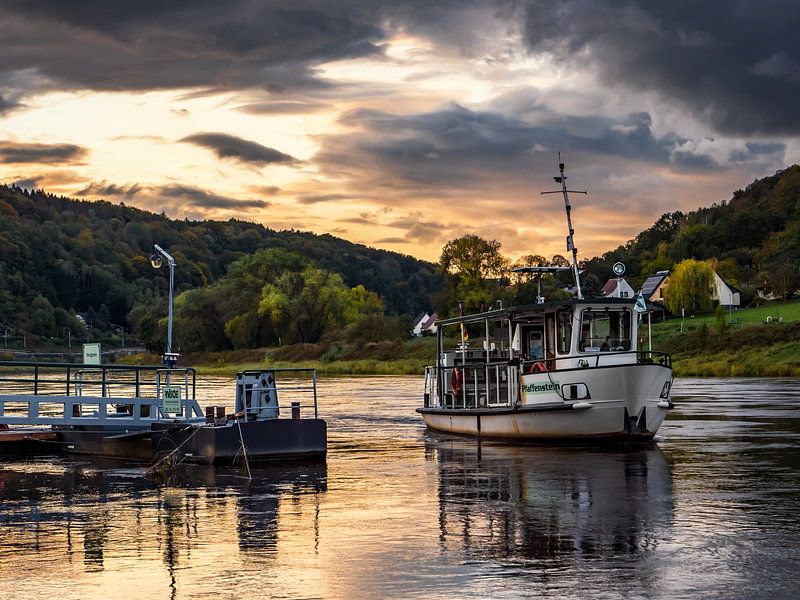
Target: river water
point(708, 511)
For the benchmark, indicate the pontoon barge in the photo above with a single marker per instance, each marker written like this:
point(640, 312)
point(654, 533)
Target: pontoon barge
point(137, 412)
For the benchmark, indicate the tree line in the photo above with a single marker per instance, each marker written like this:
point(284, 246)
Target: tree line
point(79, 270)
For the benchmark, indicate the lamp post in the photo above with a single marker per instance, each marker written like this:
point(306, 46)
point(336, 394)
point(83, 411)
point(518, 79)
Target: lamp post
point(156, 260)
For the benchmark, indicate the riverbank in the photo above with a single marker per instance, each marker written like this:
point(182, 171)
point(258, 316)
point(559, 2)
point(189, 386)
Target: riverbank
point(750, 347)
point(767, 350)
point(408, 357)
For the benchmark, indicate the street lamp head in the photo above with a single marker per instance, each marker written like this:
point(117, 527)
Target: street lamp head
point(156, 261)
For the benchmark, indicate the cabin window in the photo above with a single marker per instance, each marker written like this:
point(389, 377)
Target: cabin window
point(564, 331)
point(605, 330)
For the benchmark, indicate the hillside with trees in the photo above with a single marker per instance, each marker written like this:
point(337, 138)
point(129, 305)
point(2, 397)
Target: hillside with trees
point(72, 270)
point(753, 239)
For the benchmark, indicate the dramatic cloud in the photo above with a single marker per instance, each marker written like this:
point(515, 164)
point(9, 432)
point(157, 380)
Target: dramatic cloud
point(735, 66)
point(173, 198)
point(317, 198)
point(129, 44)
point(230, 146)
point(456, 145)
point(7, 105)
point(194, 196)
point(103, 189)
point(416, 121)
point(48, 154)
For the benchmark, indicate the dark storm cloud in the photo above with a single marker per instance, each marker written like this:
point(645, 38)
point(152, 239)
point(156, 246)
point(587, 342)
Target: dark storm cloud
point(172, 197)
point(133, 44)
point(7, 105)
point(287, 107)
point(455, 145)
point(103, 189)
point(194, 196)
point(230, 146)
point(317, 198)
point(50, 154)
point(734, 65)
point(28, 183)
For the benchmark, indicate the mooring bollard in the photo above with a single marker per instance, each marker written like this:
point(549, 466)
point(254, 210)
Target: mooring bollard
point(209, 414)
point(295, 410)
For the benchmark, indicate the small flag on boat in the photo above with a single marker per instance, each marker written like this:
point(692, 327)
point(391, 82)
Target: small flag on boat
point(641, 305)
point(464, 333)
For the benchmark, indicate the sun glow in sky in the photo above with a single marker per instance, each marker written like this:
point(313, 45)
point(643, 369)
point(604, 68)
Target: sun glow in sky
point(399, 125)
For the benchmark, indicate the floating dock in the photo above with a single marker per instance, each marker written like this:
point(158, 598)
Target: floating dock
point(140, 412)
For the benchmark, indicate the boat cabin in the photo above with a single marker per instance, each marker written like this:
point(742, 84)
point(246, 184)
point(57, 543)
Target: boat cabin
point(489, 351)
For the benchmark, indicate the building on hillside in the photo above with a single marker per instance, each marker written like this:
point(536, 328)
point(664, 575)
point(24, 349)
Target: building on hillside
point(429, 326)
point(416, 326)
point(654, 286)
point(617, 287)
point(424, 324)
point(724, 293)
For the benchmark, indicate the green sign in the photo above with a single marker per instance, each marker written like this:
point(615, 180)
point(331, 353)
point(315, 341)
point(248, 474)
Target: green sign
point(91, 354)
point(171, 400)
point(541, 388)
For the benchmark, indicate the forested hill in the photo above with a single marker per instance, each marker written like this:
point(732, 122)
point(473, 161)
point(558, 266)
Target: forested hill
point(60, 257)
point(754, 238)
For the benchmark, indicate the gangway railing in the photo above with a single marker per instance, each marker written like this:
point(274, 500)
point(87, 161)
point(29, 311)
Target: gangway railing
point(35, 393)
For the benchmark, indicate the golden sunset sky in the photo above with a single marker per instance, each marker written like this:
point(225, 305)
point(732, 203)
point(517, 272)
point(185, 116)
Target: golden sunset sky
point(403, 124)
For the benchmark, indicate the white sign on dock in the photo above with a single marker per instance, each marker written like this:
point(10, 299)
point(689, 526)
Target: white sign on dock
point(91, 354)
point(171, 400)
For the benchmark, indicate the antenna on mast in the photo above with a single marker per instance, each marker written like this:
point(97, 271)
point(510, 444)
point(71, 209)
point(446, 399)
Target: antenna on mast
point(562, 179)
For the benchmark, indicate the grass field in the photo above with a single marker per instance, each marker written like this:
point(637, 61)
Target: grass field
point(787, 311)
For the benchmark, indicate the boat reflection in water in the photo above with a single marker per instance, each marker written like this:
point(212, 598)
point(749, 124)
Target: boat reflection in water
point(551, 506)
point(115, 520)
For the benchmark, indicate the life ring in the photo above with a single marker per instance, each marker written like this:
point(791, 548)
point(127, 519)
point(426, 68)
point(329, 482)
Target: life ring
point(456, 380)
point(538, 367)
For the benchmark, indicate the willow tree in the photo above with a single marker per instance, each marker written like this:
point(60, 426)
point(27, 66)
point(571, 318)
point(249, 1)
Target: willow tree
point(690, 287)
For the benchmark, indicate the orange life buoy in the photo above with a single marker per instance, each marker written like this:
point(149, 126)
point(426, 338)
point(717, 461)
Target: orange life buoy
point(455, 381)
point(538, 367)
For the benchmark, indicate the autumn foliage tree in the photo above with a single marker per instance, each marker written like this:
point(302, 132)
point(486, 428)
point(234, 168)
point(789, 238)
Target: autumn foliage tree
point(690, 287)
point(477, 269)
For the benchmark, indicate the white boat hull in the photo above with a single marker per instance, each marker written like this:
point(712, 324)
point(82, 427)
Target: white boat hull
point(623, 402)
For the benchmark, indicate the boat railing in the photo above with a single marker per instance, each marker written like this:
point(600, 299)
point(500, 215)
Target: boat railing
point(295, 387)
point(599, 359)
point(471, 385)
point(495, 385)
point(38, 393)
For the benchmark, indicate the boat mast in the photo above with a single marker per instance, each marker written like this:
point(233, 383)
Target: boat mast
point(562, 179)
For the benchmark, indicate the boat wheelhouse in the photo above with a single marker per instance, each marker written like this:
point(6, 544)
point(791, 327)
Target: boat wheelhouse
point(564, 369)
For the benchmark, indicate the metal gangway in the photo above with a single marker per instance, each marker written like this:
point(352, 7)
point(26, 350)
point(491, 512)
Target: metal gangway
point(37, 393)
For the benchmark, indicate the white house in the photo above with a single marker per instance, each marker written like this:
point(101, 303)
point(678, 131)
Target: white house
point(424, 324)
point(721, 291)
point(727, 295)
point(419, 321)
point(617, 287)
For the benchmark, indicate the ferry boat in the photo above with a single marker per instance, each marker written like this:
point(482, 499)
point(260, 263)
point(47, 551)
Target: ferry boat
point(571, 369)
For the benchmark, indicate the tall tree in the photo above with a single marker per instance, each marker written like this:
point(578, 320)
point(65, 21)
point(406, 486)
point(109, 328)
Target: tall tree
point(304, 305)
point(690, 287)
point(477, 269)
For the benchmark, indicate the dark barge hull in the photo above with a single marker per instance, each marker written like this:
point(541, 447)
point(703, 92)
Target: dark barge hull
point(110, 443)
point(271, 439)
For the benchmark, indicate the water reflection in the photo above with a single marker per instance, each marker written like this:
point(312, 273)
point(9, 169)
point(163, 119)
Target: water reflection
point(109, 517)
point(397, 512)
point(551, 507)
